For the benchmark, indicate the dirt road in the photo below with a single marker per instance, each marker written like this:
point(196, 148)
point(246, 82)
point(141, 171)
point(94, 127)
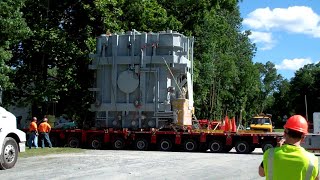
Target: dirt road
point(108, 164)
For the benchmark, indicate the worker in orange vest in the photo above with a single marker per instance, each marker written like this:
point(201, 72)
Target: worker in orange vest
point(33, 133)
point(44, 130)
point(290, 160)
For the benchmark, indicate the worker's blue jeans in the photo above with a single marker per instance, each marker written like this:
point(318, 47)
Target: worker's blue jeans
point(45, 136)
point(33, 138)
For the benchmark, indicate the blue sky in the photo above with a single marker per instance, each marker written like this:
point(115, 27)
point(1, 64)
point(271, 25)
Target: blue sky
point(286, 32)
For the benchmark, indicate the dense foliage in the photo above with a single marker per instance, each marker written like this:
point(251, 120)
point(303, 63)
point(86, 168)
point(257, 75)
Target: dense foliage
point(44, 51)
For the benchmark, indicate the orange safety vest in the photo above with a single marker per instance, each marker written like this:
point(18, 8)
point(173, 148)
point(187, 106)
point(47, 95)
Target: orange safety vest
point(44, 127)
point(33, 126)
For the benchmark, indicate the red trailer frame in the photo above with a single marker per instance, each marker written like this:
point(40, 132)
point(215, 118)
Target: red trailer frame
point(189, 140)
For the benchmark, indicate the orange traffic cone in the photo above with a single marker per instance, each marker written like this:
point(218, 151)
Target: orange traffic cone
point(227, 125)
point(234, 126)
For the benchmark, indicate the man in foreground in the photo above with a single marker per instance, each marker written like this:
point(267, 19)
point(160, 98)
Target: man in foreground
point(33, 133)
point(290, 160)
point(44, 130)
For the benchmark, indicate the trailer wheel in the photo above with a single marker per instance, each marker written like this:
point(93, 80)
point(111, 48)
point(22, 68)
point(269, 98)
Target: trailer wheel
point(267, 145)
point(227, 149)
point(9, 153)
point(118, 144)
point(242, 147)
point(190, 145)
point(141, 144)
point(73, 142)
point(216, 146)
point(165, 145)
point(95, 143)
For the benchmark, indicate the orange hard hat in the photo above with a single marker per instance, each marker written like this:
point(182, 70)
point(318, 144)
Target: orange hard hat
point(297, 123)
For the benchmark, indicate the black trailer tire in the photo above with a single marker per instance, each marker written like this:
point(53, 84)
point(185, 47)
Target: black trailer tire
point(9, 153)
point(242, 147)
point(95, 143)
point(190, 145)
point(216, 146)
point(227, 149)
point(141, 144)
point(73, 142)
point(118, 144)
point(267, 145)
point(165, 145)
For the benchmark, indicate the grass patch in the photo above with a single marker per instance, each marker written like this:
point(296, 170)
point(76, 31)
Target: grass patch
point(278, 130)
point(45, 151)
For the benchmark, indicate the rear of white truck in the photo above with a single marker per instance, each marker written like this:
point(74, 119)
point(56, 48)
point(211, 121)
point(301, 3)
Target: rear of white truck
point(12, 140)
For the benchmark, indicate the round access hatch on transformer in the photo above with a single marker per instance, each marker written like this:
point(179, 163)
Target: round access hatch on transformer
point(128, 81)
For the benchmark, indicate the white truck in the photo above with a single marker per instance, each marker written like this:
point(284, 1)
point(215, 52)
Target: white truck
point(12, 140)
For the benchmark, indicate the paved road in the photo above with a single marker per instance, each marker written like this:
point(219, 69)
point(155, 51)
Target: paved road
point(109, 164)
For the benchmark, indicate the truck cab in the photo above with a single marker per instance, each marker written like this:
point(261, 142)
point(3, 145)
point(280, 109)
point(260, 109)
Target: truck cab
point(12, 140)
point(261, 122)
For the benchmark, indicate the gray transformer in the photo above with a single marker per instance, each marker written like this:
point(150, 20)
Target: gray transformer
point(143, 80)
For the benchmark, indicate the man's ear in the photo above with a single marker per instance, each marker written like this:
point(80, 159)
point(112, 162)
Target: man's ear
point(303, 137)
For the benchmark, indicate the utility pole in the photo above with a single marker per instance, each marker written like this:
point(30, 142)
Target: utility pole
point(306, 105)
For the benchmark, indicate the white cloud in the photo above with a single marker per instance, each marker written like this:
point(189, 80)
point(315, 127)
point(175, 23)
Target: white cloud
point(264, 38)
point(296, 19)
point(293, 64)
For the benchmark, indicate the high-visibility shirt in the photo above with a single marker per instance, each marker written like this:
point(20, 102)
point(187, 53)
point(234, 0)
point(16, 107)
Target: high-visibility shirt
point(44, 127)
point(33, 126)
point(290, 162)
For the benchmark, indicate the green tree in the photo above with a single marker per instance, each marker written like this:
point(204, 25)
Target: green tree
point(269, 80)
point(306, 84)
point(13, 30)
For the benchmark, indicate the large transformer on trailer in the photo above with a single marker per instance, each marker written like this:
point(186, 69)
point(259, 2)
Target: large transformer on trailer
point(143, 80)
point(144, 97)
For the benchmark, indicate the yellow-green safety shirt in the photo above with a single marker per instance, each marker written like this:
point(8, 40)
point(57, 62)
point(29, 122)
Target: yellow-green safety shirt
point(290, 162)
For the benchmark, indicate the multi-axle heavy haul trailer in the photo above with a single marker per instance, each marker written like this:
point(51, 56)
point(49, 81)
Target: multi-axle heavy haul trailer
point(189, 140)
point(143, 89)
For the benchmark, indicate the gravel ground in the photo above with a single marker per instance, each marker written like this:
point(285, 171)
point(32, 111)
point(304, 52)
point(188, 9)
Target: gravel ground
point(109, 164)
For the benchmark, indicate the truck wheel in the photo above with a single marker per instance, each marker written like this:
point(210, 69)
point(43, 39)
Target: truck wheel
point(242, 147)
point(118, 144)
point(73, 142)
point(266, 145)
point(141, 144)
point(9, 154)
point(216, 146)
point(190, 145)
point(165, 145)
point(95, 143)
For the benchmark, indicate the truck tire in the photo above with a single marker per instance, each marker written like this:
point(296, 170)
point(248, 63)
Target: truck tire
point(190, 145)
point(165, 145)
point(216, 146)
point(118, 144)
point(95, 143)
point(73, 142)
point(267, 145)
point(141, 144)
point(9, 154)
point(242, 147)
